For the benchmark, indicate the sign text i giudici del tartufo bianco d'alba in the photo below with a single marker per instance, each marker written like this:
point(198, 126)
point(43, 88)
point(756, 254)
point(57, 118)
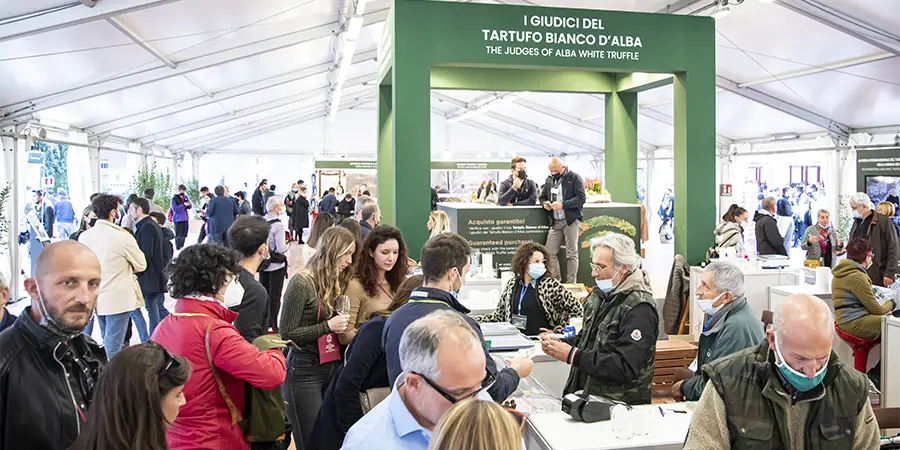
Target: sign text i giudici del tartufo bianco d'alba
point(568, 37)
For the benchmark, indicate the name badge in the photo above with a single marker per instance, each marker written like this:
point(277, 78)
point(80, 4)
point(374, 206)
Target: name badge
point(519, 321)
point(555, 191)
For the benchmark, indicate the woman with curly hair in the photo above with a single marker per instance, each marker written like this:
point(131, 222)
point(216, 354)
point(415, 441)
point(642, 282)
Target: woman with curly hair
point(532, 301)
point(136, 400)
point(224, 363)
point(381, 268)
point(308, 319)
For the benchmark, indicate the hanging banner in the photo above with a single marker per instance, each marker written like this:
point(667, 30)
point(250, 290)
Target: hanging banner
point(470, 165)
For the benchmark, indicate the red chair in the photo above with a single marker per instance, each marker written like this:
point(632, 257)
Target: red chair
point(861, 348)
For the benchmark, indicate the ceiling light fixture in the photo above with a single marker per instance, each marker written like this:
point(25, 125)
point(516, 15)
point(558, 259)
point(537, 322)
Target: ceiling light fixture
point(349, 39)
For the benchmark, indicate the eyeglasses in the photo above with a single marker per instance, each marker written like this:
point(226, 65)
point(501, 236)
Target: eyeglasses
point(485, 384)
point(169, 359)
point(598, 267)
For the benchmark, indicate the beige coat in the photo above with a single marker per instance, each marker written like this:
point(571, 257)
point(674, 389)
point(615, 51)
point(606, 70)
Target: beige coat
point(363, 306)
point(120, 258)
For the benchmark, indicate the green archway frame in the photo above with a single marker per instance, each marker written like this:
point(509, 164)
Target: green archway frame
point(442, 45)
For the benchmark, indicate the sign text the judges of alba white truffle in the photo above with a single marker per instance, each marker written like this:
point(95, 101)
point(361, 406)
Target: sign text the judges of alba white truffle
point(568, 37)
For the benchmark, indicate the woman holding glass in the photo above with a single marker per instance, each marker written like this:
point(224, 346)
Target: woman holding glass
point(820, 241)
point(315, 311)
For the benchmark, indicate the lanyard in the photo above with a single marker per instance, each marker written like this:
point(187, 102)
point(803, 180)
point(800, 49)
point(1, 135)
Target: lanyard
point(522, 296)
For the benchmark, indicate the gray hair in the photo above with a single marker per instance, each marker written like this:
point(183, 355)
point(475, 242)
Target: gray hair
point(2, 281)
point(862, 199)
point(421, 340)
point(273, 202)
point(361, 202)
point(369, 211)
point(727, 277)
point(804, 308)
point(622, 248)
point(768, 203)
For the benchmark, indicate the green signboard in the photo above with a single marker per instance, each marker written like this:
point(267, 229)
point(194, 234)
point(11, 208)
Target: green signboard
point(500, 230)
point(469, 165)
point(346, 164)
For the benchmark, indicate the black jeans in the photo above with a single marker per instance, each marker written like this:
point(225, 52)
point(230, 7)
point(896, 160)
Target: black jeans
point(303, 390)
point(202, 233)
point(274, 283)
point(181, 232)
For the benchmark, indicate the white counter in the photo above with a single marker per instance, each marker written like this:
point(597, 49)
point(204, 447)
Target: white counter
point(558, 431)
point(756, 282)
point(890, 367)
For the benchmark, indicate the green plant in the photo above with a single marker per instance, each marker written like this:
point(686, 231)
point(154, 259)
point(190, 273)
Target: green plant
point(193, 190)
point(55, 163)
point(4, 223)
point(150, 177)
point(845, 217)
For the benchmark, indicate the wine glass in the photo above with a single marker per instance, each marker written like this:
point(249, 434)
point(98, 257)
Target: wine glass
point(342, 305)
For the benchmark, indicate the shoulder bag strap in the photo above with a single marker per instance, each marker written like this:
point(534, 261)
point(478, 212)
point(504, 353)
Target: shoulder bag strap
point(235, 414)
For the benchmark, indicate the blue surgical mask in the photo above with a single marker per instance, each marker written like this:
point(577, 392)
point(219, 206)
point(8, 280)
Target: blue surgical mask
point(605, 286)
point(455, 292)
point(707, 305)
point(797, 379)
point(537, 270)
point(856, 214)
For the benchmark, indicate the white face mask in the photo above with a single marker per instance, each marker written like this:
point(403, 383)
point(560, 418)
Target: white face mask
point(707, 305)
point(234, 294)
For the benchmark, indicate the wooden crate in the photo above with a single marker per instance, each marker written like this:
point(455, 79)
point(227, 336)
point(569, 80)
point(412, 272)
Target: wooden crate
point(671, 354)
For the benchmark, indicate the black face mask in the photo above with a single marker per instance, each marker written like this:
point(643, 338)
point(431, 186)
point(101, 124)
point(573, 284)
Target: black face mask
point(92, 222)
point(522, 175)
point(557, 176)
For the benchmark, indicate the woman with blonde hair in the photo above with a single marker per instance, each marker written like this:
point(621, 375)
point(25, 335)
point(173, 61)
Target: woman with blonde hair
point(478, 425)
point(309, 319)
point(888, 209)
point(438, 222)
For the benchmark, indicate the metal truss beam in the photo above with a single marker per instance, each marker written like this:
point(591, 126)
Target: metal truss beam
point(256, 109)
point(496, 132)
point(279, 126)
point(786, 107)
point(844, 23)
point(519, 124)
point(74, 16)
point(20, 109)
point(678, 6)
point(723, 141)
point(823, 68)
point(236, 91)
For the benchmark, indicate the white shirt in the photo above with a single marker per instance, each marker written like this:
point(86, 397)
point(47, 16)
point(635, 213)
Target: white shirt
point(120, 258)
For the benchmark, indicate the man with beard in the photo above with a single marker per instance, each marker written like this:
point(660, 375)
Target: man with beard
point(48, 367)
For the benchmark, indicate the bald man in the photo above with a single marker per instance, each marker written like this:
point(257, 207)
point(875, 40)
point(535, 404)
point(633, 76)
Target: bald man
point(563, 197)
point(791, 391)
point(48, 367)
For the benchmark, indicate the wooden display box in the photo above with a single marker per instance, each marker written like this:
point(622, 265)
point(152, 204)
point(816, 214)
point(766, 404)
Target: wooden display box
point(671, 354)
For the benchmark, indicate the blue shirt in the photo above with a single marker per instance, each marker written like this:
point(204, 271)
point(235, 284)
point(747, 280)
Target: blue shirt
point(388, 426)
point(64, 211)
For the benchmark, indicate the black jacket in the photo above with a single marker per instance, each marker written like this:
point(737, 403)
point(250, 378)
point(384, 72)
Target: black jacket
point(507, 379)
point(365, 368)
point(301, 213)
point(434, 199)
point(525, 196)
point(784, 207)
point(257, 204)
point(37, 404)
point(346, 209)
point(768, 240)
point(573, 195)
point(883, 239)
point(328, 204)
point(253, 313)
point(167, 248)
point(149, 238)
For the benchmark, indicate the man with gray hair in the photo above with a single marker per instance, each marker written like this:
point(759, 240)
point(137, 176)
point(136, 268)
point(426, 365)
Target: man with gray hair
point(443, 363)
point(563, 197)
point(614, 353)
point(730, 324)
point(791, 391)
point(6, 319)
point(769, 240)
point(369, 218)
point(877, 228)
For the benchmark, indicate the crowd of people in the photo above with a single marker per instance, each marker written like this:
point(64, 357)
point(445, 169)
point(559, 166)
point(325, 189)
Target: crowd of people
point(355, 352)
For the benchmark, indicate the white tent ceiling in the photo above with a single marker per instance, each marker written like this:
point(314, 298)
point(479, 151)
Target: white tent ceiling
point(199, 74)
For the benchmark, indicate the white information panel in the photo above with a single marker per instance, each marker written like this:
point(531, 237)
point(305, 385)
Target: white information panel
point(890, 367)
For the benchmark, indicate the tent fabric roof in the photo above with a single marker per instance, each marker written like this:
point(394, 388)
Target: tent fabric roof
point(181, 74)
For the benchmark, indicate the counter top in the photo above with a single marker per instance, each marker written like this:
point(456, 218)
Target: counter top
point(558, 431)
point(810, 289)
point(464, 205)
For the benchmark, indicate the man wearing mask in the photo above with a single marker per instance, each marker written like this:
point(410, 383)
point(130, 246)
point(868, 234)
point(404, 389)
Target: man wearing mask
point(563, 197)
point(445, 261)
point(878, 229)
point(518, 189)
point(246, 296)
point(784, 216)
point(180, 205)
point(615, 351)
point(788, 392)
point(769, 240)
point(48, 367)
point(152, 281)
point(442, 363)
point(258, 203)
point(730, 324)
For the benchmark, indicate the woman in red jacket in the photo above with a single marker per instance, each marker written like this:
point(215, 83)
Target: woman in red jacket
point(199, 278)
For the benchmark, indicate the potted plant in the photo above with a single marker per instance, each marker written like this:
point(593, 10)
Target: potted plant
point(595, 192)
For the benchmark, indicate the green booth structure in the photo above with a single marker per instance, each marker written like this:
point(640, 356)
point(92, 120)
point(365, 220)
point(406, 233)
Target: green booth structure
point(441, 45)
